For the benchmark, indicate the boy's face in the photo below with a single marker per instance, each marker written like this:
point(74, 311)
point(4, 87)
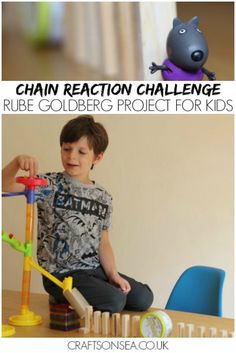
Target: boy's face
point(77, 159)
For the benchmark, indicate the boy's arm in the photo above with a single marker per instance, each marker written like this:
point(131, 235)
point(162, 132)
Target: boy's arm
point(107, 260)
point(21, 162)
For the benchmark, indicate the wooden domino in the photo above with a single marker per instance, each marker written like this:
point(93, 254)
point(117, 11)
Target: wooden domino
point(115, 324)
point(105, 324)
point(201, 331)
point(89, 318)
point(212, 332)
point(190, 330)
point(125, 325)
point(223, 333)
point(135, 326)
point(181, 329)
point(97, 326)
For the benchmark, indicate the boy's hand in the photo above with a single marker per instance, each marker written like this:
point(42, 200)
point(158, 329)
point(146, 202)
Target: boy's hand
point(121, 282)
point(28, 163)
point(9, 172)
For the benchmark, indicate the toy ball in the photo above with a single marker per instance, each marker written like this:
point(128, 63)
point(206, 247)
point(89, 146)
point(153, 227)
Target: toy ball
point(187, 51)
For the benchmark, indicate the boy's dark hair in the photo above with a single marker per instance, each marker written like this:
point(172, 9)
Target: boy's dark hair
point(84, 125)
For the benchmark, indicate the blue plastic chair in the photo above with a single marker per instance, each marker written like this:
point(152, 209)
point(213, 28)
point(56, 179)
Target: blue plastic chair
point(198, 290)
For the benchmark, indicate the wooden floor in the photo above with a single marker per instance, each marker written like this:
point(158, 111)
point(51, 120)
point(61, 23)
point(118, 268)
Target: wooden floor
point(39, 305)
point(22, 61)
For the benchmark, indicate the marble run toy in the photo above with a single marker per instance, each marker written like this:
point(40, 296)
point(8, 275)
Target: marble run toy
point(8, 330)
point(74, 297)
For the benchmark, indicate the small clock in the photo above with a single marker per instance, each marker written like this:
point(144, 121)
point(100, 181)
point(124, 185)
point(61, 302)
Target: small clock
point(155, 324)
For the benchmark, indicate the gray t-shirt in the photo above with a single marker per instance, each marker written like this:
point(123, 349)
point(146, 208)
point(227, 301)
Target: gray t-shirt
point(71, 219)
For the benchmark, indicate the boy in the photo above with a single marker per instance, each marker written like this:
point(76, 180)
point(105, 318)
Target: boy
point(74, 218)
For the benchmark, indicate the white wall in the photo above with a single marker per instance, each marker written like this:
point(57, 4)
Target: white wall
point(172, 182)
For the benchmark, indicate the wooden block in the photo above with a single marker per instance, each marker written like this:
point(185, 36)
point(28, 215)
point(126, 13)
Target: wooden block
point(135, 326)
point(231, 334)
point(190, 329)
point(83, 330)
point(89, 318)
point(223, 333)
point(93, 36)
point(155, 17)
point(97, 322)
point(212, 331)
point(181, 328)
point(201, 331)
point(110, 45)
point(127, 39)
point(125, 325)
point(105, 324)
point(76, 300)
point(77, 20)
point(115, 325)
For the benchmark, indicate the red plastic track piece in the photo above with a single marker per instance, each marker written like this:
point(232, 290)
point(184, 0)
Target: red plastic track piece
point(30, 182)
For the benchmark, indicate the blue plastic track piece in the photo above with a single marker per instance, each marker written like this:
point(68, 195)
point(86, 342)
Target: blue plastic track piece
point(9, 194)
